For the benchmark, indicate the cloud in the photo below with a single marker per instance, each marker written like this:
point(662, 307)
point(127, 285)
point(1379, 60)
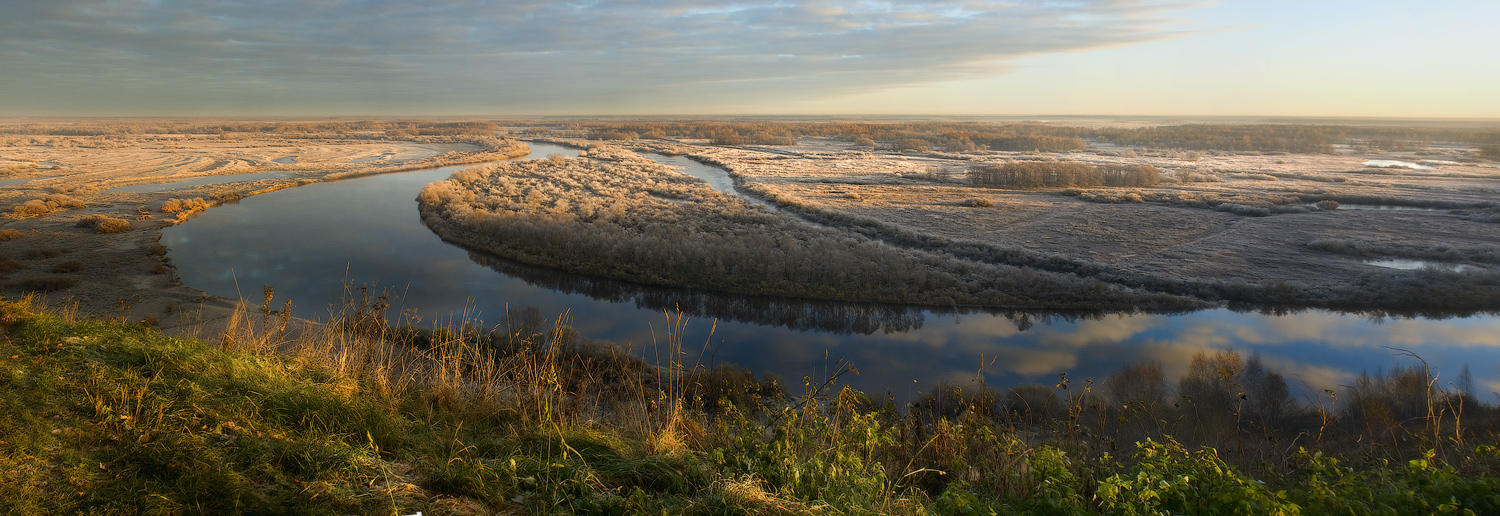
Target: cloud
point(460, 55)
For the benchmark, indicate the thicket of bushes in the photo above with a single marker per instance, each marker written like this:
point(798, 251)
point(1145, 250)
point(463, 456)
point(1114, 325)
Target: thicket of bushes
point(104, 224)
point(45, 205)
point(1483, 253)
point(1061, 174)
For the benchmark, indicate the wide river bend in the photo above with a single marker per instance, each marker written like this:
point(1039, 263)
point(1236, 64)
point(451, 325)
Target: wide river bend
point(309, 241)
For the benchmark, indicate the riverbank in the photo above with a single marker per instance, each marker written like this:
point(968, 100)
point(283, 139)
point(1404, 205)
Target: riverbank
point(115, 417)
point(135, 178)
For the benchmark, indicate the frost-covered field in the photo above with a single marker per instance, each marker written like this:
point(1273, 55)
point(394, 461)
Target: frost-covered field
point(1215, 217)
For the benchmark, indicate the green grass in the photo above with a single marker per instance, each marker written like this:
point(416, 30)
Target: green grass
point(103, 417)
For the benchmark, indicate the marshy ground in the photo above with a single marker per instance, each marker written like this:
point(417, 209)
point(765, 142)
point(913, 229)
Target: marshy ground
point(1218, 218)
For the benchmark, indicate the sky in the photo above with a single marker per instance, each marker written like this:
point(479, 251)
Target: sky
point(1334, 58)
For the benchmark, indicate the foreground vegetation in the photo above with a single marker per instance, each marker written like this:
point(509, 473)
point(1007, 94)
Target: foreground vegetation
point(360, 417)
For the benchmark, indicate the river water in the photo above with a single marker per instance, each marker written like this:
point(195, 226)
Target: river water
point(309, 241)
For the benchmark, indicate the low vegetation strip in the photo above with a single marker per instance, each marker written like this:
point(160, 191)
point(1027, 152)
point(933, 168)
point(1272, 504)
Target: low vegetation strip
point(105, 417)
point(618, 215)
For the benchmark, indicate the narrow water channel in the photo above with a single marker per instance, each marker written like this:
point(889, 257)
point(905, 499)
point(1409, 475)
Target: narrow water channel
point(308, 242)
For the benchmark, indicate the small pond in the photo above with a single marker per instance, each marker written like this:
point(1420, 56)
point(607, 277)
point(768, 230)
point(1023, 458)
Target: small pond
point(308, 241)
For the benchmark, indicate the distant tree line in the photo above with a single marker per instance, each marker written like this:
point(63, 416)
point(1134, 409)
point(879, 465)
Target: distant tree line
point(976, 136)
point(346, 128)
point(1062, 174)
point(949, 136)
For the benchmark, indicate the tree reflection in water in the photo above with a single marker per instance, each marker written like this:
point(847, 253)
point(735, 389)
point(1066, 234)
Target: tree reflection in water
point(795, 314)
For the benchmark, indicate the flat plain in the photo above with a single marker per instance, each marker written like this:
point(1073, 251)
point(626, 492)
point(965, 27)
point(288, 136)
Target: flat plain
point(1338, 227)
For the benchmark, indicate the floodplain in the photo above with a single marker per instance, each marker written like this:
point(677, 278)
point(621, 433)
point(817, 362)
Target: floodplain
point(1091, 241)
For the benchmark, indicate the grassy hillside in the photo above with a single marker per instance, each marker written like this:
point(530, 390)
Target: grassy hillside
point(114, 418)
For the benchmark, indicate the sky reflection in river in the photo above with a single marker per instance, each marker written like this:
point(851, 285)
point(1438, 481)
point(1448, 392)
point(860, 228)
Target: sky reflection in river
point(308, 241)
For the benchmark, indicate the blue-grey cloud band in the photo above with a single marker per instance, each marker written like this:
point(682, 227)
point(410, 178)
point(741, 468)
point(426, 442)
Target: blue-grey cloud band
point(376, 56)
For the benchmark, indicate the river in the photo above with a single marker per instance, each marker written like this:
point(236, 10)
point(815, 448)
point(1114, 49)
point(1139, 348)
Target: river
point(309, 241)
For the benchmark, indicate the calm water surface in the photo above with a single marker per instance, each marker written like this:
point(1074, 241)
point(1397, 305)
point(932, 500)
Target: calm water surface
point(308, 241)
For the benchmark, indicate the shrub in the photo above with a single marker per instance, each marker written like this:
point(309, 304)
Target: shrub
point(1130, 175)
point(1037, 174)
point(45, 205)
point(1328, 204)
point(960, 145)
point(9, 234)
point(32, 208)
point(1037, 143)
point(103, 224)
point(229, 197)
point(1140, 383)
point(977, 202)
point(913, 144)
point(189, 205)
point(1490, 152)
point(1240, 209)
point(864, 142)
point(613, 135)
point(1169, 479)
point(10, 265)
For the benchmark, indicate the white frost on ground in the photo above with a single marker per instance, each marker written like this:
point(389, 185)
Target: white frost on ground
point(1390, 163)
